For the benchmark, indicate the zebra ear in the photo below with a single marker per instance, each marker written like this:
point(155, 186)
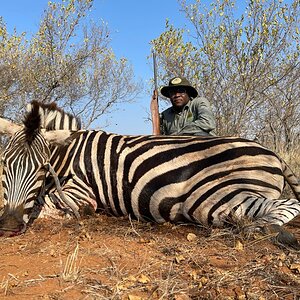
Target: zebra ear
point(59, 137)
point(8, 127)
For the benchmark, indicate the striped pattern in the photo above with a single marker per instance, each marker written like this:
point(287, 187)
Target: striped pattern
point(207, 180)
point(203, 180)
point(26, 157)
point(53, 118)
point(23, 174)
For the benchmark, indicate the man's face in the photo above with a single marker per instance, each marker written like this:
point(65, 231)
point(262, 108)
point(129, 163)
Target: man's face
point(179, 97)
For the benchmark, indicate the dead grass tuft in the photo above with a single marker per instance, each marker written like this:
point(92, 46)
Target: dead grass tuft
point(71, 268)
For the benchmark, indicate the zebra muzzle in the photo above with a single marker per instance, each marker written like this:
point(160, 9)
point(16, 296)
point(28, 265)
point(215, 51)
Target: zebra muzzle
point(11, 223)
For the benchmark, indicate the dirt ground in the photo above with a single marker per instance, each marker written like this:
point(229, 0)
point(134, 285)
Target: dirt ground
point(104, 257)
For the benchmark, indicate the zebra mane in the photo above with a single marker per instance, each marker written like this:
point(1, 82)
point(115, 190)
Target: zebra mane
point(54, 118)
point(32, 123)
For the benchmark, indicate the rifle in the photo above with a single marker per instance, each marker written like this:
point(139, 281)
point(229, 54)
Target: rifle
point(154, 102)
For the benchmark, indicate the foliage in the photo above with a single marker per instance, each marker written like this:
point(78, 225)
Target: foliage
point(246, 64)
point(11, 53)
point(69, 60)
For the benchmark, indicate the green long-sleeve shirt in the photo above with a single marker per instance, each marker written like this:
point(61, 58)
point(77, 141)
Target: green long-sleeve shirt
point(196, 118)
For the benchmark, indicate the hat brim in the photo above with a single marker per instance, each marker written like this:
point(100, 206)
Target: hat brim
point(192, 92)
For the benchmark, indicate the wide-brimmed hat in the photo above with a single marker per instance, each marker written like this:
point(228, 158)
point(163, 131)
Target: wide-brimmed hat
point(179, 82)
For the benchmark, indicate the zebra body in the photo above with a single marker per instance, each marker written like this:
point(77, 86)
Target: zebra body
point(206, 180)
point(177, 179)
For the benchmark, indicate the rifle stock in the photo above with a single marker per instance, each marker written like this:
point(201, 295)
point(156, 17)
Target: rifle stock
point(154, 102)
point(155, 114)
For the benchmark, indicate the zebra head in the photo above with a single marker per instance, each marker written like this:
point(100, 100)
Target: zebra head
point(24, 161)
point(25, 165)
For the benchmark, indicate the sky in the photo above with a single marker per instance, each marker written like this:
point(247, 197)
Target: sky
point(133, 24)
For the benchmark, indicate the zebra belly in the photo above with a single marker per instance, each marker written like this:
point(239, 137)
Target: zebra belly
point(207, 203)
point(216, 201)
point(197, 181)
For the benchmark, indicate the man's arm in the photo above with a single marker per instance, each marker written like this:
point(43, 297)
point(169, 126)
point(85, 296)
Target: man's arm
point(202, 120)
point(205, 118)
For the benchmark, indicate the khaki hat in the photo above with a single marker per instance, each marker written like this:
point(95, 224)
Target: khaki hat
point(179, 82)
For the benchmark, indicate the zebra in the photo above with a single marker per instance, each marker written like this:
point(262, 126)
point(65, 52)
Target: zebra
point(48, 117)
point(202, 180)
point(54, 118)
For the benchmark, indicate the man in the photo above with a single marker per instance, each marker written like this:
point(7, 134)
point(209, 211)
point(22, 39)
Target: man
point(189, 114)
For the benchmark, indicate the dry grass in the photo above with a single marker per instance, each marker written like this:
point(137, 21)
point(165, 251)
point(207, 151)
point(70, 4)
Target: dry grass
point(117, 258)
point(110, 258)
point(8, 282)
point(71, 268)
point(292, 158)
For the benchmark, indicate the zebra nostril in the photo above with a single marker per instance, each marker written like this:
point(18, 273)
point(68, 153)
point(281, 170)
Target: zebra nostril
point(11, 232)
point(15, 233)
point(11, 223)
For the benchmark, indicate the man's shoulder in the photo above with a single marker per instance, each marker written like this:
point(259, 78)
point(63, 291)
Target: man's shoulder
point(200, 101)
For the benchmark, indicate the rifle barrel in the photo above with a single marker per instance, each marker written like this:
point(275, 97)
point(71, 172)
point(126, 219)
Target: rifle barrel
point(154, 70)
point(154, 101)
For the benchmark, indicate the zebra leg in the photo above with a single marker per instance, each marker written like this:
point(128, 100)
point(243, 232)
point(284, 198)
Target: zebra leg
point(268, 211)
point(48, 207)
point(74, 202)
point(268, 215)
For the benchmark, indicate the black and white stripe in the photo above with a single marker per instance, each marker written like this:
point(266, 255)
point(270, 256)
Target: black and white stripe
point(207, 180)
point(203, 180)
point(27, 156)
point(54, 118)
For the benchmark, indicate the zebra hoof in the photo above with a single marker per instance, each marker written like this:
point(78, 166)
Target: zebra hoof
point(282, 236)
